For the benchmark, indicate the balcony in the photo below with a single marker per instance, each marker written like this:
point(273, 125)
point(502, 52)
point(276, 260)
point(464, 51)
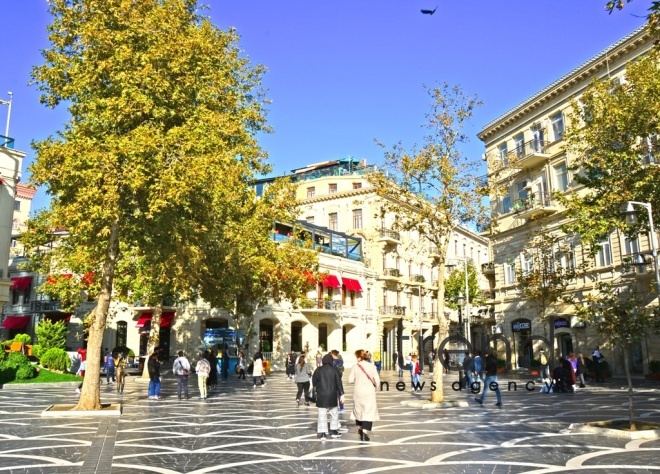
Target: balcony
point(391, 274)
point(44, 306)
point(417, 278)
point(6, 142)
point(534, 205)
point(488, 268)
point(638, 264)
point(529, 155)
point(316, 304)
point(390, 236)
point(392, 310)
point(488, 295)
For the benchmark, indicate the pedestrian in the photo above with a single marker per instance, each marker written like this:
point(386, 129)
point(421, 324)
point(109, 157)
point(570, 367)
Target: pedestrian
point(291, 365)
point(569, 374)
point(203, 369)
point(366, 382)
point(241, 366)
point(225, 364)
point(598, 359)
point(302, 377)
point(581, 369)
point(81, 369)
point(319, 358)
point(414, 374)
point(181, 368)
point(212, 381)
point(572, 359)
point(327, 383)
point(399, 361)
point(153, 367)
point(478, 367)
point(120, 367)
point(407, 361)
point(545, 368)
point(468, 368)
point(338, 363)
point(431, 358)
point(258, 371)
point(490, 383)
point(109, 364)
point(445, 360)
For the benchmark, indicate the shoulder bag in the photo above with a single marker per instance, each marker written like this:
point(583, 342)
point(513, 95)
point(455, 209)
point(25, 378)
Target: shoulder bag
point(365, 373)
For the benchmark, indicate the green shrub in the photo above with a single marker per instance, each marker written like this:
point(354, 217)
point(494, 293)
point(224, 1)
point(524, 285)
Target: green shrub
point(15, 360)
point(56, 359)
point(23, 338)
point(131, 353)
point(51, 335)
point(25, 372)
point(38, 350)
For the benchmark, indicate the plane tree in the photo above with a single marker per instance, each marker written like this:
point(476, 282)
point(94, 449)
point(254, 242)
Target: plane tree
point(432, 188)
point(164, 112)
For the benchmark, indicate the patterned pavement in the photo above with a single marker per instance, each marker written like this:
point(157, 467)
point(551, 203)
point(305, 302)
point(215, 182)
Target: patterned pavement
point(247, 430)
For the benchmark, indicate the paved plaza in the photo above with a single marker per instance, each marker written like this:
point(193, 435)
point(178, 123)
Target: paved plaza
point(247, 430)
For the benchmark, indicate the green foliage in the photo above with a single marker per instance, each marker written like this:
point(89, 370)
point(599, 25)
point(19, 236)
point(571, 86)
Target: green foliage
point(23, 338)
point(51, 335)
point(455, 284)
point(611, 135)
point(46, 376)
point(38, 350)
point(26, 371)
point(56, 359)
point(15, 360)
point(131, 353)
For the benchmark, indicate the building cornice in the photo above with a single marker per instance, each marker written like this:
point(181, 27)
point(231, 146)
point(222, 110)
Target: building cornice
point(24, 191)
point(583, 72)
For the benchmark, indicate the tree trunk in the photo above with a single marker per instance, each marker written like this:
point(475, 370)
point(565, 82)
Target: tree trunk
point(438, 395)
point(90, 396)
point(154, 337)
point(626, 363)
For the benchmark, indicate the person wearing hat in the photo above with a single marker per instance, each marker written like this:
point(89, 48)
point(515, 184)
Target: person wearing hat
point(327, 382)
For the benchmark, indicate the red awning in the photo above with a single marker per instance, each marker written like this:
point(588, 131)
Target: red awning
point(331, 281)
point(351, 284)
point(54, 318)
point(21, 283)
point(165, 319)
point(15, 322)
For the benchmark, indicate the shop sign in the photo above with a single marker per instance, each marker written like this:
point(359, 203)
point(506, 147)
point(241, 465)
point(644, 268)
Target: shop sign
point(518, 326)
point(562, 323)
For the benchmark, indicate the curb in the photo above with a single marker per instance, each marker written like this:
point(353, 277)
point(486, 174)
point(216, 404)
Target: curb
point(27, 386)
point(66, 411)
point(427, 405)
point(641, 434)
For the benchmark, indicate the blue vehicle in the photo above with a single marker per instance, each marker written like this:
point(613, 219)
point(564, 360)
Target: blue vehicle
point(221, 340)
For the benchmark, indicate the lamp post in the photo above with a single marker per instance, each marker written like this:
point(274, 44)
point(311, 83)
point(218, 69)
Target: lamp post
point(631, 218)
point(420, 335)
point(466, 300)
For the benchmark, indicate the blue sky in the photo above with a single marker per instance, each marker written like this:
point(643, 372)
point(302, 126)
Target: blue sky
point(342, 73)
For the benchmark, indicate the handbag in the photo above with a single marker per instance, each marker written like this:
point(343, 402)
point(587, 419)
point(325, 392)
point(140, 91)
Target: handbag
point(365, 373)
point(311, 395)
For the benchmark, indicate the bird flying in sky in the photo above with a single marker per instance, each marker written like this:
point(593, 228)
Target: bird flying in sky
point(429, 12)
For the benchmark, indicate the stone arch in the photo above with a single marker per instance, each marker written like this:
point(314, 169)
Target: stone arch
point(507, 345)
point(458, 339)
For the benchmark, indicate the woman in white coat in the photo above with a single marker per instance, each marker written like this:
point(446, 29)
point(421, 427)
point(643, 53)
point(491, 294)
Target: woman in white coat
point(365, 411)
point(258, 371)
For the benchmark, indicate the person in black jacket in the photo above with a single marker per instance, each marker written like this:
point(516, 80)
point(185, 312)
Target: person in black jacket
point(327, 383)
point(153, 367)
point(490, 368)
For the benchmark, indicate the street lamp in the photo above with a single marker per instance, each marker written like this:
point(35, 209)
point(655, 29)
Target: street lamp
point(420, 335)
point(631, 218)
point(466, 299)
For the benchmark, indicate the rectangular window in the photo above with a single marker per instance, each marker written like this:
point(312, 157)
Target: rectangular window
point(311, 192)
point(527, 263)
point(604, 255)
point(502, 152)
point(14, 296)
point(519, 141)
point(632, 245)
point(509, 273)
point(332, 188)
point(557, 121)
point(561, 176)
point(506, 204)
point(357, 218)
point(17, 205)
point(523, 189)
point(332, 221)
point(357, 185)
point(27, 294)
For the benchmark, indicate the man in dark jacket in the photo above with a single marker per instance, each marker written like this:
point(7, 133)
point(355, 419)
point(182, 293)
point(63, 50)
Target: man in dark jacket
point(327, 382)
point(490, 368)
point(153, 367)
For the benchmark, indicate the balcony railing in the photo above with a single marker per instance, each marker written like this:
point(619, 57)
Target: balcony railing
point(488, 268)
point(533, 204)
point(307, 303)
point(37, 306)
point(418, 278)
point(6, 142)
point(528, 153)
point(386, 234)
point(393, 272)
point(392, 310)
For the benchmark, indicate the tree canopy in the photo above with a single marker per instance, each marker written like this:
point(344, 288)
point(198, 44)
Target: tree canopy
point(160, 147)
